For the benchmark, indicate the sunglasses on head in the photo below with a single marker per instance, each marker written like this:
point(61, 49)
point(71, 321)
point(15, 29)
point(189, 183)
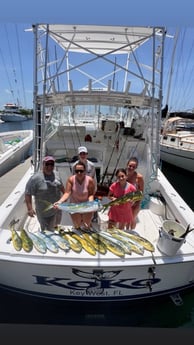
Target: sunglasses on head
point(49, 163)
point(79, 171)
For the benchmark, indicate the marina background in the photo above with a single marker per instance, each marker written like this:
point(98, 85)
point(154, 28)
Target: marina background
point(13, 309)
point(162, 313)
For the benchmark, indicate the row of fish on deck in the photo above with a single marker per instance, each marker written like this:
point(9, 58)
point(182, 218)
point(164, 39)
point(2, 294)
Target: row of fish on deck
point(114, 240)
point(82, 208)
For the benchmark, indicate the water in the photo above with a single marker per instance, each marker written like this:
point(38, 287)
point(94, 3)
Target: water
point(16, 126)
point(182, 181)
point(156, 313)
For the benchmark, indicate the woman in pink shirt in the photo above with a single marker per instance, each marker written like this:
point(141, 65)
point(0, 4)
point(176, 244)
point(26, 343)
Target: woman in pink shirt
point(79, 188)
point(120, 214)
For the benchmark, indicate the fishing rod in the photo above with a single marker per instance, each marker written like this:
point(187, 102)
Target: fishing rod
point(121, 151)
point(105, 172)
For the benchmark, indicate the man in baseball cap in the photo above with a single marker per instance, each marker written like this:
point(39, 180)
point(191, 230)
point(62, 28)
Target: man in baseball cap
point(82, 149)
point(44, 185)
point(48, 158)
point(82, 157)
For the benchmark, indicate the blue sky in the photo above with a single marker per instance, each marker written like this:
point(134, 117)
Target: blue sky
point(16, 64)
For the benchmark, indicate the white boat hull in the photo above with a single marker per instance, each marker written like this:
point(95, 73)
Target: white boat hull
point(115, 282)
point(177, 143)
point(83, 277)
point(98, 110)
point(13, 117)
point(13, 150)
point(179, 158)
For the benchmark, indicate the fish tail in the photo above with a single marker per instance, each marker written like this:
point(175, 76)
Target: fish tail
point(48, 205)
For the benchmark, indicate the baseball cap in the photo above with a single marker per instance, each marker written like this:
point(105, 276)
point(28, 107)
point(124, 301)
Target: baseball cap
point(82, 149)
point(48, 158)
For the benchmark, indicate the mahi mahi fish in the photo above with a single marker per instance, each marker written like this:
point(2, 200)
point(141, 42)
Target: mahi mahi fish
point(98, 245)
point(50, 243)
point(38, 243)
point(137, 238)
point(111, 244)
point(134, 246)
point(82, 207)
point(87, 246)
point(132, 196)
point(16, 240)
point(75, 245)
point(27, 243)
point(125, 244)
point(61, 241)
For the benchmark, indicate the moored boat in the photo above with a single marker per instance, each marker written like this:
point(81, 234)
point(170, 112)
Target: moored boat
point(177, 142)
point(99, 265)
point(15, 147)
point(14, 113)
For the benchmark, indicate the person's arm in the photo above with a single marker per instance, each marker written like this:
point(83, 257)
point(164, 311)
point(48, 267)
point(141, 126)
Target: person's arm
point(28, 200)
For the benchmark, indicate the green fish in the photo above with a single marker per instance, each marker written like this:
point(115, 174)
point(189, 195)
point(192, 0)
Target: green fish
point(17, 241)
point(132, 196)
point(27, 243)
point(147, 245)
point(126, 245)
point(98, 245)
point(111, 244)
point(87, 246)
point(75, 245)
point(134, 246)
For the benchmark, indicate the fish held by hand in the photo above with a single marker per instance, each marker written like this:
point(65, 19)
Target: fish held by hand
point(132, 196)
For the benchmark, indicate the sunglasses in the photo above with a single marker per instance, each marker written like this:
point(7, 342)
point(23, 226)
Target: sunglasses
point(79, 171)
point(132, 166)
point(50, 163)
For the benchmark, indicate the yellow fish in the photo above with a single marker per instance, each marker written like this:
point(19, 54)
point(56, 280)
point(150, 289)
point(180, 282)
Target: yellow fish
point(16, 240)
point(27, 243)
point(89, 248)
point(147, 245)
point(132, 196)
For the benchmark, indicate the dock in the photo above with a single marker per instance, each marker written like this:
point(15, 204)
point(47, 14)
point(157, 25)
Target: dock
point(9, 180)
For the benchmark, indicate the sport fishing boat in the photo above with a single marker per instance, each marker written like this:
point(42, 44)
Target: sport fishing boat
point(14, 113)
point(15, 147)
point(177, 142)
point(92, 82)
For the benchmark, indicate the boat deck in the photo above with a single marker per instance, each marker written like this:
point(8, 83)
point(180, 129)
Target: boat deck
point(9, 180)
point(148, 226)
